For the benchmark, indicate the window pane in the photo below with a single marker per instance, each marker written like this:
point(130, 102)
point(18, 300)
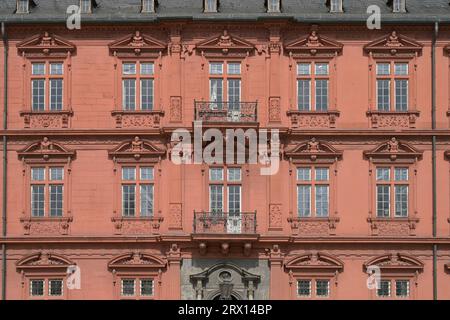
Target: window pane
point(38, 174)
point(147, 173)
point(147, 94)
point(273, 6)
point(234, 199)
point(146, 200)
point(38, 69)
point(322, 288)
point(128, 287)
point(146, 287)
point(55, 287)
point(211, 5)
point(85, 6)
point(234, 94)
point(56, 94)
point(147, 68)
point(56, 200)
point(129, 94)
point(304, 288)
point(38, 94)
point(322, 200)
point(22, 6)
point(322, 174)
point(321, 69)
point(37, 200)
point(216, 174)
point(401, 201)
point(304, 174)
point(56, 174)
point(304, 201)
point(401, 174)
point(234, 174)
point(37, 287)
point(385, 288)
point(401, 95)
point(216, 90)
point(216, 198)
point(402, 288)
point(321, 95)
point(383, 95)
point(128, 200)
point(129, 173)
point(303, 92)
point(216, 68)
point(383, 174)
point(56, 68)
point(129, 68)
point(147, 6)
point(401, 69)
point(383, 69)
point(234, 68)
point(303, 69)
point(383, 200)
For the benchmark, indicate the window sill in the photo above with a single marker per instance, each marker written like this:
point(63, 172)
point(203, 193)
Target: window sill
point(313, 226)
point(313, 119)
point(395, 226)
point(137, 225)
point(46, 225)
point(138, 118)
point(393, 119)
point(46, 119)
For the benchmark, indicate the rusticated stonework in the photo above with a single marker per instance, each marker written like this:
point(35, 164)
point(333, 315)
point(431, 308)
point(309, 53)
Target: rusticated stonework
point(393, 227)
point(313, 226)
point(275, 216)
point(137, 226)
point(393, 119)
point(138, 119)
point(50, 120)
point(176, 114)
point(305, 119)
point(46, 226)
point(176, 216)
point(274, 109)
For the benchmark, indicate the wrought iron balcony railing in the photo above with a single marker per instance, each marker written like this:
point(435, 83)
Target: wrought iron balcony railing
point(211, 111)
point(225, 222)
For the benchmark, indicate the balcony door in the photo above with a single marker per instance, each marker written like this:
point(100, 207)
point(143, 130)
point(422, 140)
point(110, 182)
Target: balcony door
point(234, 222)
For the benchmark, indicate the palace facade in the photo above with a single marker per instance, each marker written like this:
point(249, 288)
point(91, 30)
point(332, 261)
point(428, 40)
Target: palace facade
point(95, 207)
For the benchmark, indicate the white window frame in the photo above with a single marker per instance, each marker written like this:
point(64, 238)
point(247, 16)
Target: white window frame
point(273, 5)
point(148, 6)
point(210, 6)
point(82, 7)
point(23, 9)
point(335, 6)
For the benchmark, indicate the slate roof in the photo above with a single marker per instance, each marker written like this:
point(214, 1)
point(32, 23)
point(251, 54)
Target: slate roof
point(126, 11)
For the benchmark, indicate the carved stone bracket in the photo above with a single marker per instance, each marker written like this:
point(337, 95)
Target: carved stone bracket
point(393, 226)
point(382, 119)
point(46, 226)
point(313, 119)
point(136, 225)
point(138, 119)
point(50, 120)
point(313, 226)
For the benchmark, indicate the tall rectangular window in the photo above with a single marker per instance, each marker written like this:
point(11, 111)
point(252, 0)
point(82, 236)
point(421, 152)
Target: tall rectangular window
point(313, 78)
point(137, 191)
point(392, 188)
point(225, 180)
point(47, 86)
point(138, 86)
point(313, 183)
point(392, 86)
point(225, 78)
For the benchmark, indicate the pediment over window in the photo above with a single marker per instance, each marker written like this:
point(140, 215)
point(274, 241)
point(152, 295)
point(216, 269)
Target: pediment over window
point(313, 150)
point(137, 149)
point(393, 150)
point(43, 260)
point(225, 45)
point(137, 44)
point(315, 261)
point(45, 45)
point(314, 45)
point(395, 45)
point(395, 262)
point(46, 150)
point(136, 260)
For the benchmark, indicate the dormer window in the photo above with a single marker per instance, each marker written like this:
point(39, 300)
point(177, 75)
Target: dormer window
point(335, 6)
point(398, 6)
point(210, 6)
point(23, 6)
point(86, 6)
point(273, 5)
point(148, 6)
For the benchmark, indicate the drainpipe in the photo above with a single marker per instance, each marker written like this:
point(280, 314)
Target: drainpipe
point(434, 178)
point(5, 126)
